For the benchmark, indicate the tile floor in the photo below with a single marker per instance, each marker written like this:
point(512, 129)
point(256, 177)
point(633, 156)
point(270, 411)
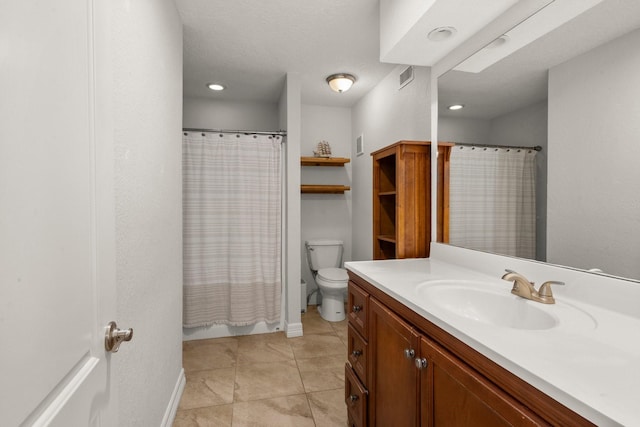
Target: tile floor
point(267, 380)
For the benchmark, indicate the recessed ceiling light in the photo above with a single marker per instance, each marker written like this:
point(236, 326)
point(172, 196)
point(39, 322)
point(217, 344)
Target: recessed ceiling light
point(215, 86)
point(455, 107)
point(441, 34)
point(498, 42)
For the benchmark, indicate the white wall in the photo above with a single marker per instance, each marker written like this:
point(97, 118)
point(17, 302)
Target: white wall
point(325, 216)
point(208, 113)
point(147, 102)
point(290, 117)
point(384, 116)
point(594, 201)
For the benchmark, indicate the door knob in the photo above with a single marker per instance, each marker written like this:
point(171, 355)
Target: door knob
point(113, 337)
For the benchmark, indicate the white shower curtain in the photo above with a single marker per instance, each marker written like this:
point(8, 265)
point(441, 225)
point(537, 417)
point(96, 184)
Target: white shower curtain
point(232, 228)
point(492, 200)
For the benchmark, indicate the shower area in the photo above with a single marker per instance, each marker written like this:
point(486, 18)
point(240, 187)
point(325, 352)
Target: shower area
point(232, 232)
point(492, 200)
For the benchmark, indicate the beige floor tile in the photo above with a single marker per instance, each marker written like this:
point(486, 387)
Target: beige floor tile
point(340, 329)
point(291, 411)
point(322, 380)
point(212, 416)
point(313, 345)
point(263, 380)
point(321, 363)
point(328, 408)
point(209, 354)
point(208, 388)
point(312, 323)
point(264, 348)
point(322, 373)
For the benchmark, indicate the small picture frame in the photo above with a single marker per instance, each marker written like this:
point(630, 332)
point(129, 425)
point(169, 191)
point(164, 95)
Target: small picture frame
point(360, 145)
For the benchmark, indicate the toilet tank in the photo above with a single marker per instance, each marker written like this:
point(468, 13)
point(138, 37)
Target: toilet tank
point(324, 253)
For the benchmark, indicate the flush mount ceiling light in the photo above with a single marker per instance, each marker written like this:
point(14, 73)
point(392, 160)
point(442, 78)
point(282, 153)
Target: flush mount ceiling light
point(215, 86)
point(340, 82)
point(455, 107)
point(441, 34)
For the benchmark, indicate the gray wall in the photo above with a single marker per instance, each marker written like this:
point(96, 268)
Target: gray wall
point(384, 116)
point(147, 103)
point(209, 113)
point(594, 201)
point(325, 216)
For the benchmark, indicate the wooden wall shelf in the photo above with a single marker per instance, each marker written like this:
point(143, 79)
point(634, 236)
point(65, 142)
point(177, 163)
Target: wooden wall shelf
point(322, 188)
point(330, 189)
point(323, 161)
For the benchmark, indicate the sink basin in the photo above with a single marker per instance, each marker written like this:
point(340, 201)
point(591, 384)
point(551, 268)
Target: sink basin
point(487, 303)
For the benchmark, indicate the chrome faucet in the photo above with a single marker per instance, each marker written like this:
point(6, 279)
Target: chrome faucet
point(526, 289)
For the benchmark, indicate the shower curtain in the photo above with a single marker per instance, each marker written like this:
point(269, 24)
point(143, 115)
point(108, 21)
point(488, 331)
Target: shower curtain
point(232, 228)
point(492, 200)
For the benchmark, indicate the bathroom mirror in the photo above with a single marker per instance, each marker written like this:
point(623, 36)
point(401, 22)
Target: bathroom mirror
point(576, 93)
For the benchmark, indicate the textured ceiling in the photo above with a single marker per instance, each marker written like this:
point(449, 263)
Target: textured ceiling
point(250, 45)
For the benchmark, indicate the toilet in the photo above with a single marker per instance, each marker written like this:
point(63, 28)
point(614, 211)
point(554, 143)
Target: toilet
point(325, 258)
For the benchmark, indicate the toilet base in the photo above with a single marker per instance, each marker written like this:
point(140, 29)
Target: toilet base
point(332, 308)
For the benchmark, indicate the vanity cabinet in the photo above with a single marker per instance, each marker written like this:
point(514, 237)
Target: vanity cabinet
point(415, 374)
point(402, 199)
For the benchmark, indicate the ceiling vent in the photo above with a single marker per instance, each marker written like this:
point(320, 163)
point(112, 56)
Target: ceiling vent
point(406, 76)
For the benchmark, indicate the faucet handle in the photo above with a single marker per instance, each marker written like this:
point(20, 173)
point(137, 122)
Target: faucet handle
point(545, 290)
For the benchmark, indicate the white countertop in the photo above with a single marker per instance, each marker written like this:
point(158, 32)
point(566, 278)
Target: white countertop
point(590, 362)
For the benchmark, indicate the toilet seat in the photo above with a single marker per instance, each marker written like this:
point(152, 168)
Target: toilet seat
point(335, 278)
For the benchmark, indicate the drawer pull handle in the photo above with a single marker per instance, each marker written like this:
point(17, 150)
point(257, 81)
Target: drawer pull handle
point(421, 363)
point(353, 398)
point(409, 353)
point(356, 308)
point(356, 353)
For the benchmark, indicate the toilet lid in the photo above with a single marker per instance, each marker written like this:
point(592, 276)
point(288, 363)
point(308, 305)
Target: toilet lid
point(333, 274)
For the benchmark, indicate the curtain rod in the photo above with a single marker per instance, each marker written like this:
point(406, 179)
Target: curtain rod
point(536, 147)
point(246, 132)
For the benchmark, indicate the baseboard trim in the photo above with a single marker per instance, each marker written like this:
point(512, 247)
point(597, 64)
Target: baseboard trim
point(293, 329)
point(172, 408)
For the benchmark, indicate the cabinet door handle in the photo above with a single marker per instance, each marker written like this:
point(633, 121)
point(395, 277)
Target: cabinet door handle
point(356, 353)
point(356, 308)
point(421, 362)
point(353, 398)
point(409, 353)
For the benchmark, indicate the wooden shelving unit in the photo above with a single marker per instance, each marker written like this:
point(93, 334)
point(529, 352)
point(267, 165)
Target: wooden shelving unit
point(402, 199)
point(323, 188)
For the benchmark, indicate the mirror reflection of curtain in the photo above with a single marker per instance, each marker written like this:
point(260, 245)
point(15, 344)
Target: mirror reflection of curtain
point(231, 228)
point(492, 200)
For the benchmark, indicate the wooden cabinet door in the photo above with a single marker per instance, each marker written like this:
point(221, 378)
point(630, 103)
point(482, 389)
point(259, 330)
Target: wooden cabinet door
point(455, 395)
point(393, 376)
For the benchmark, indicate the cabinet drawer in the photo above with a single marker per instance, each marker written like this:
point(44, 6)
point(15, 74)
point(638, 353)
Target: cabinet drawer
point(358, 307)
point(357, 354)
point(355, 396)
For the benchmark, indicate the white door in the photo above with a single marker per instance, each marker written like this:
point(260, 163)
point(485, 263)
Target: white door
point(57, 279)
